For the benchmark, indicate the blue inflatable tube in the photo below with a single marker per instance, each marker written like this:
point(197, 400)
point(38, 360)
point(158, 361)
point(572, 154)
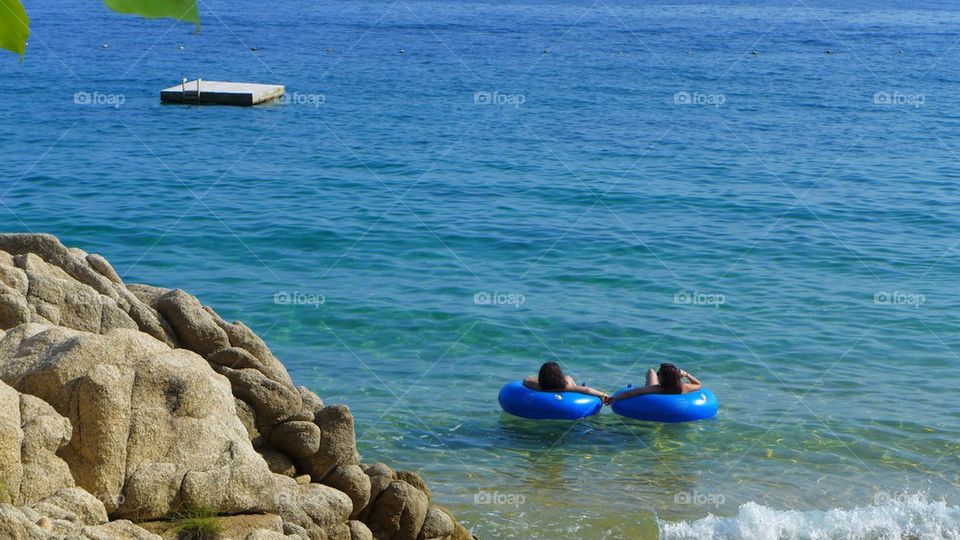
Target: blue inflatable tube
point(698, 405)
point(518, 400)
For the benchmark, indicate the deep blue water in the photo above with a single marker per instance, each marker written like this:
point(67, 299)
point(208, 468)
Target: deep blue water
point(594, 164)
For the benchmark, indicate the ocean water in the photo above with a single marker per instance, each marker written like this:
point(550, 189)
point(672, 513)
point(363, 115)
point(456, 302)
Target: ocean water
point(455, 192)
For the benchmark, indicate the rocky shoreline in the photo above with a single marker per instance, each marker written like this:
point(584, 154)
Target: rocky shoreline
point(125, 408)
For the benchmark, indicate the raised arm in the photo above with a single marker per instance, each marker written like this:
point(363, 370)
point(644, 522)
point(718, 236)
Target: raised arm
point(694, 383)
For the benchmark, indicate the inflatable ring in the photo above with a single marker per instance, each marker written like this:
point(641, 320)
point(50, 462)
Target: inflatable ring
point(518, 400)
point(697, 405)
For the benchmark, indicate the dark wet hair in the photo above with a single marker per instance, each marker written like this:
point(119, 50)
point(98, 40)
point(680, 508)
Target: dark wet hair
point(670, 379)
point(551, 377)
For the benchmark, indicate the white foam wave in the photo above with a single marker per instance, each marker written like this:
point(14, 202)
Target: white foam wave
point(912, 517)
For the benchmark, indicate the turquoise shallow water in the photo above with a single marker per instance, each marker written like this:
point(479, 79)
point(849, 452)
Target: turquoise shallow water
point(609, 172)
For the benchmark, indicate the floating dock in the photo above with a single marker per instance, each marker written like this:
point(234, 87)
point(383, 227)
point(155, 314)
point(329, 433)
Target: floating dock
point(200, 92)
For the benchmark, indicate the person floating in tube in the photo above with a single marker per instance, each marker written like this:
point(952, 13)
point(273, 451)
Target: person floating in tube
point(552, 379)
point(667, 380)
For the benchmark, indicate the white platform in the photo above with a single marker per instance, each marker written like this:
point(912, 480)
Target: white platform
point(221, 93)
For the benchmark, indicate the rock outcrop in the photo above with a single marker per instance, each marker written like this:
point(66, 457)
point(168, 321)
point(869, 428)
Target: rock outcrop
point(38, 495)
point(124, 405)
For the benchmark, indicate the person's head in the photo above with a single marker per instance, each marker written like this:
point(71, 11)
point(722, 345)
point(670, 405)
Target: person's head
point(551, 377)
point(670, 380)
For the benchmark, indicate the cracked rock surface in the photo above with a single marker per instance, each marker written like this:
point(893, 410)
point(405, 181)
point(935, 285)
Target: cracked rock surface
point(121, 405)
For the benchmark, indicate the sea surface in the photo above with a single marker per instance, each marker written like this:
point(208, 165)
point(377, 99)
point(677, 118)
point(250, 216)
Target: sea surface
point(764, 193)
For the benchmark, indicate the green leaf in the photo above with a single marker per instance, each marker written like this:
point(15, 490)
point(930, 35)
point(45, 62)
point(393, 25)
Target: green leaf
point(14, 26)
point(181, 10)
